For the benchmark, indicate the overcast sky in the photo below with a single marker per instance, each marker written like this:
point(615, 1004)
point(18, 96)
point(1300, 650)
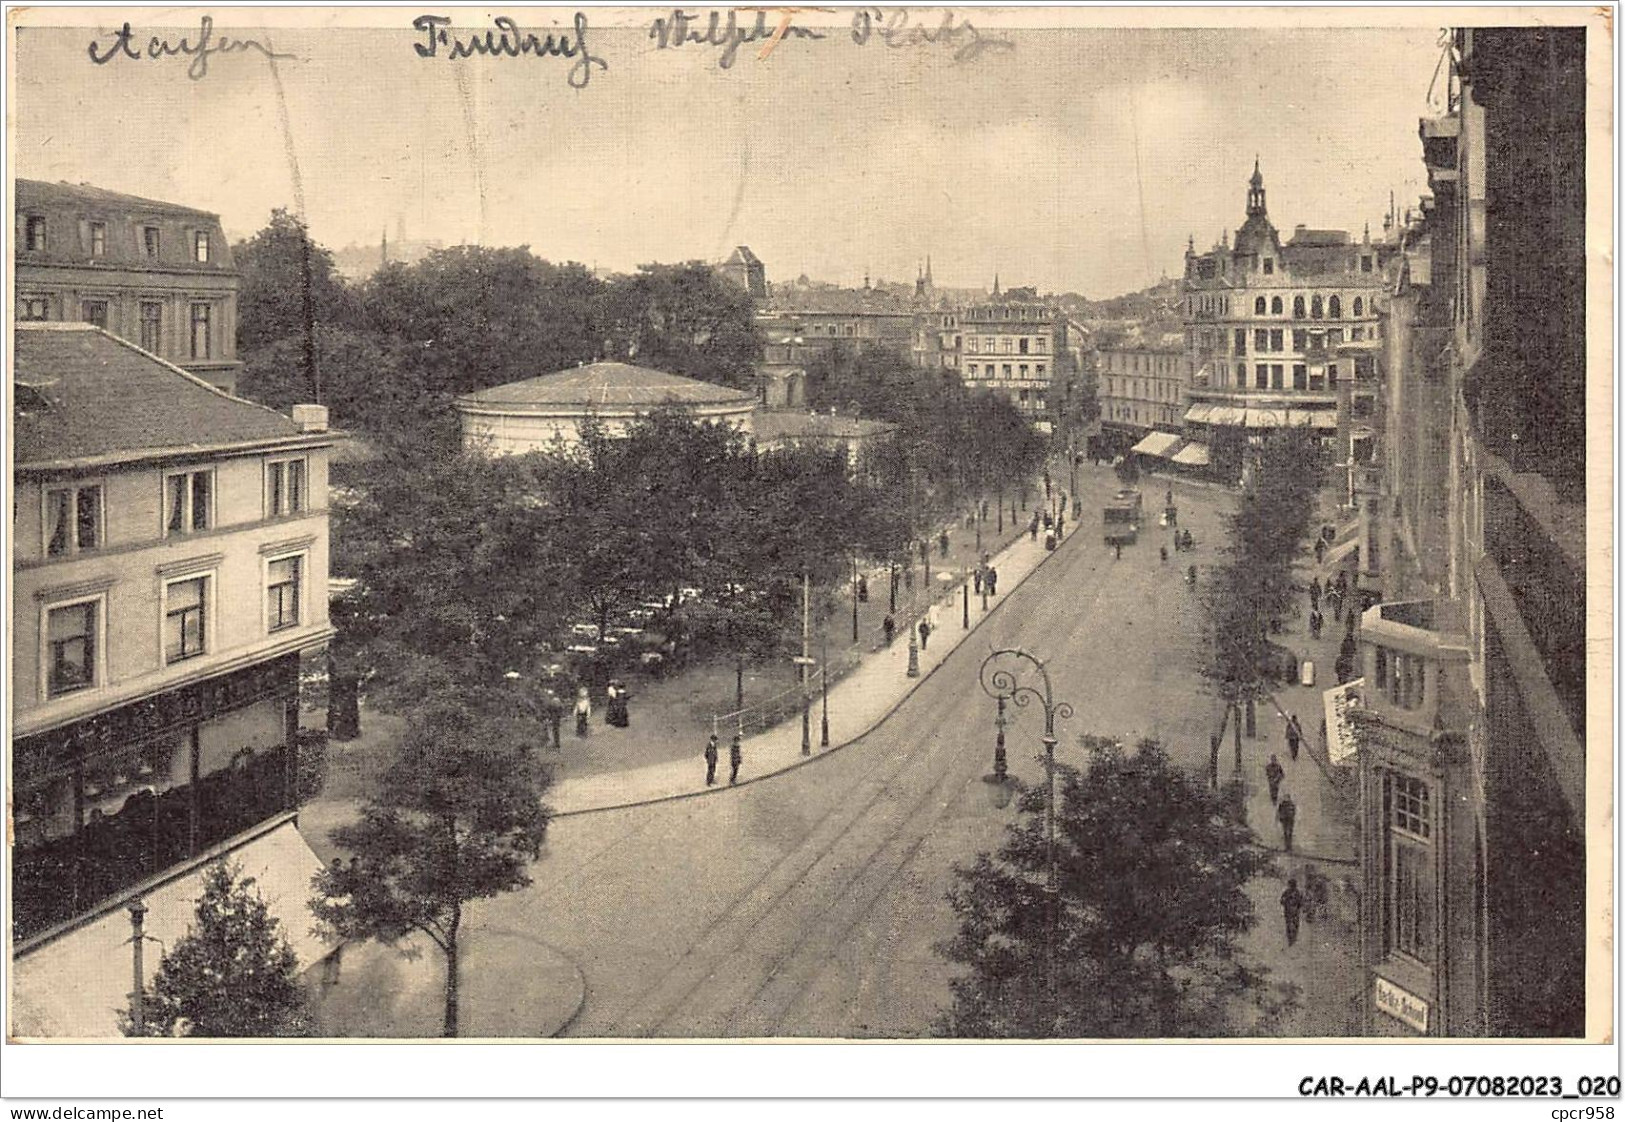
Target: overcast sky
point(1075, 160)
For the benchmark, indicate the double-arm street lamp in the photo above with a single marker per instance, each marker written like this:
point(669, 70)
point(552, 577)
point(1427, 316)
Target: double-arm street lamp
point(999, 678)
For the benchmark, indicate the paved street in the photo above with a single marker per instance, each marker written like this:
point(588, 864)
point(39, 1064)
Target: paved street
point(808, 904)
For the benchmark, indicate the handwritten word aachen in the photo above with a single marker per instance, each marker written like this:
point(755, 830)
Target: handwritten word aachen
point(727, 35)
point(896, 30)
point(509, 40)
point(206, 45)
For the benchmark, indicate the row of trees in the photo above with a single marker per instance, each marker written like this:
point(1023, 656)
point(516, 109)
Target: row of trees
point(390, 352)
point(954, 445)
point(1250, 595)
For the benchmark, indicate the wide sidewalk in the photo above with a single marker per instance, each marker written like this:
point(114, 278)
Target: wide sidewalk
point(857, 703)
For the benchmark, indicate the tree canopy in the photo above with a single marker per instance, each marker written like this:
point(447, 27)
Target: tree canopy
point(1151, 873)
point(232, 974)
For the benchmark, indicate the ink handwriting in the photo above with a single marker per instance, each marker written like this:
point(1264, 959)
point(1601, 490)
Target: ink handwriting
point(509, 40)
point(204, 47)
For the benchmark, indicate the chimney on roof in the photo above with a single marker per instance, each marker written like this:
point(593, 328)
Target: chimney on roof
point(310, 418)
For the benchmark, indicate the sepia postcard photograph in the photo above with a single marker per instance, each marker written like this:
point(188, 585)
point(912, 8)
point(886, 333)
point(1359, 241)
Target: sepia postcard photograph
point(813, 525)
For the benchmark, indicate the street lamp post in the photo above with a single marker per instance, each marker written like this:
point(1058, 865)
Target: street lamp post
point(999, 682)
point(964, 573)
point(823, 683)
point(854, 599)
point(806, 701)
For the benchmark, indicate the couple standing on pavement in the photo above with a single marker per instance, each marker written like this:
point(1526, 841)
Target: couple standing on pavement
point(736, 756)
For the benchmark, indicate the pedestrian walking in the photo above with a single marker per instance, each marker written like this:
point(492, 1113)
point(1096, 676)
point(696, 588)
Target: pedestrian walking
point(925, 550)
point(1314, 594)
point(889, 626)
point(1336, 601)
point(925, 633)
point(1291, 907)
point(984, 510)
point(863, 589)
point(1189, 541)
point(736, 756)
point(711, 761)
point(908, 577)
point(554, 709)
point(1032, 527)
point(1287, 814)
point(1273, 774)
point(977, 577)
point(942, 542)
point(1320, 550)
point(583, 711)
point(992, 580)
point(1119, 548)
point(1310, 904)
point(1294, 736)
point(1164, 551)
point(1316, 622)
point(1342, 582)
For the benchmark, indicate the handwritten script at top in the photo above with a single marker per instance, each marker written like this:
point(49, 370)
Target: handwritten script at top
point(896, 28)
point(206, 45)
point(509, 40)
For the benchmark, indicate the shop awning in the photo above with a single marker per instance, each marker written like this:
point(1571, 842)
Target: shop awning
point(1193, 455)
point(1207, 413)
point(1341, 745)
point(75, 984)
point(1160, 444)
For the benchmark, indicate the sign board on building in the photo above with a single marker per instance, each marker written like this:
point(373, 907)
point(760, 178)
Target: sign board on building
point(1401, 1004)
point(1341, 745)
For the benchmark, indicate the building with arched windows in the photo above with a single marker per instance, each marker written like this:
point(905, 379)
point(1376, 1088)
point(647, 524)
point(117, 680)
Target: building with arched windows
point(1283, 334)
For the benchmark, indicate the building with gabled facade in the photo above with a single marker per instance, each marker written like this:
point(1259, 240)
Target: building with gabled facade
point(169, 569)
point(745, 269)
point(156, 273)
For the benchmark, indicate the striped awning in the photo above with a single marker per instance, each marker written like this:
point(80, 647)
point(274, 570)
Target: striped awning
point(1160, 444)
point(1201, 413)
point(1193, 455)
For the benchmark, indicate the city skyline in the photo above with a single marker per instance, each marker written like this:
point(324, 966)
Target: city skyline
point(1115, 145)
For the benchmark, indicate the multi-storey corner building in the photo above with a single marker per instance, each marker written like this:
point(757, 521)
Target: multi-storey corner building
point(1283, 334)
point(170, 558)
point(1471, 741)
point(155, 273)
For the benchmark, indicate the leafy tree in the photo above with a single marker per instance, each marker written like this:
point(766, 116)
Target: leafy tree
point(476, 317)
point(458, 562)
point(232, 973)
point(686, 320)
point(457, 817)
point(1150, 905)
point(271, 293)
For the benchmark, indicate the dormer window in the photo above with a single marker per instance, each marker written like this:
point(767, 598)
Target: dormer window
point(98, 239)
point(1269, 266)
point(200, 247)
point(149, 241)
point(34, 232)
